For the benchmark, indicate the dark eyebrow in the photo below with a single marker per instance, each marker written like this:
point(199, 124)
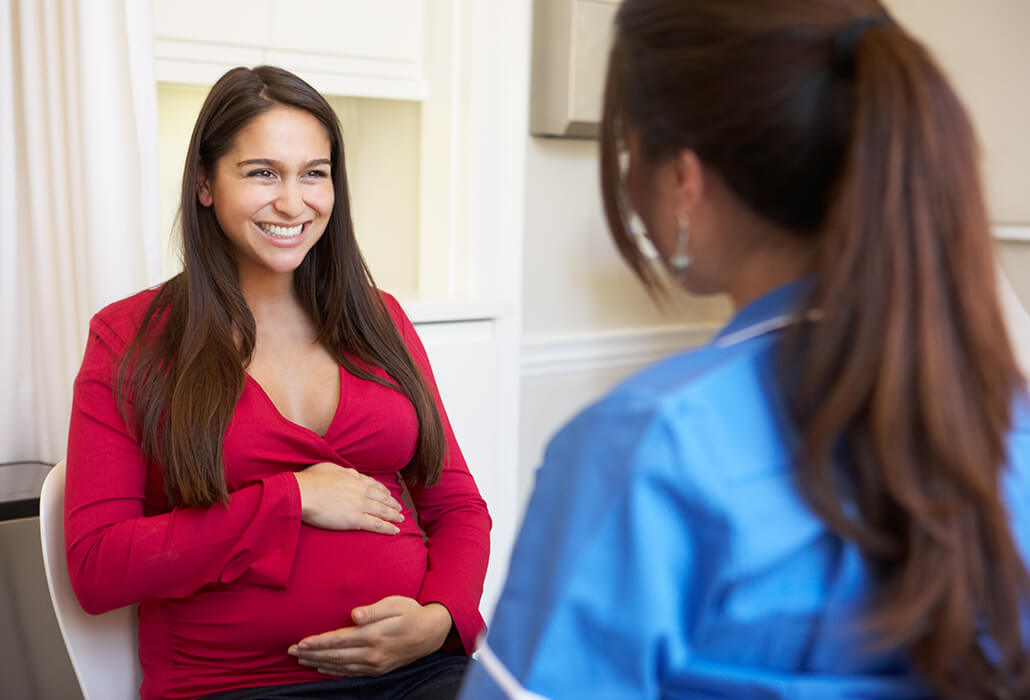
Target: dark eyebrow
point(276, 164)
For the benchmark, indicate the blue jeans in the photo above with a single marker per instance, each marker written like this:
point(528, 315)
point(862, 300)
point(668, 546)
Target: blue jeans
point(434, 677)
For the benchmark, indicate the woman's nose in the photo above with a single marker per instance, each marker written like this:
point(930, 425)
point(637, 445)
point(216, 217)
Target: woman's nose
point(290, 202)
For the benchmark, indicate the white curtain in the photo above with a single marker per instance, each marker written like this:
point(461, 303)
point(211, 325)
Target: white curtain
point(78, 199)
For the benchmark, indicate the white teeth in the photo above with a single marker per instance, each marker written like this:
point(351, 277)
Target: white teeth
point(281, 231)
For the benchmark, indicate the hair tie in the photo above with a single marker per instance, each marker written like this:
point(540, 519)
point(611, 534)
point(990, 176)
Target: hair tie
point(847, 39)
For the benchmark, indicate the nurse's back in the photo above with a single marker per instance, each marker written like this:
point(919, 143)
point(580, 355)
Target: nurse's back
point(768, 600)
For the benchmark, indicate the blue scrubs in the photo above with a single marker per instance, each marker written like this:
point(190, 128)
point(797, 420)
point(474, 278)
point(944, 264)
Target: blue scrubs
point(667, 552)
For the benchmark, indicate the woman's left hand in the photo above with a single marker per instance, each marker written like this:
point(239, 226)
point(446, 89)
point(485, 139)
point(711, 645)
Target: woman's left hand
point(386, 635)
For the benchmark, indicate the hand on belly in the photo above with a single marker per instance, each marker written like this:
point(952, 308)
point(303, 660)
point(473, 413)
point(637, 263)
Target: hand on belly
point(333, 573)
point(385, 635)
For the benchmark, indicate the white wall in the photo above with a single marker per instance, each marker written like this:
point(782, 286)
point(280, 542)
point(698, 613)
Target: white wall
point(984, 47)
point(573, 278)
point(586, 320)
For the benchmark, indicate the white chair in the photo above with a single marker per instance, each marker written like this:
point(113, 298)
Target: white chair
point(102, 648)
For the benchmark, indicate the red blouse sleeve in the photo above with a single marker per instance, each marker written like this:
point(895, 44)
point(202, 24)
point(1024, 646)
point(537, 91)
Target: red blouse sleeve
point(118, 556)
point(452, 514)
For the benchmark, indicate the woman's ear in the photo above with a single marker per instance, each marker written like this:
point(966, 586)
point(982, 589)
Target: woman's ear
point(204, 189)
point(689, 181)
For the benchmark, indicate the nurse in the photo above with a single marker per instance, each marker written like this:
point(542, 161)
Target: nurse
point(832, 498)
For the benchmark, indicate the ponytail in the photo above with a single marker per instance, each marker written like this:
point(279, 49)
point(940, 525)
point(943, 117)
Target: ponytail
point(913, 365)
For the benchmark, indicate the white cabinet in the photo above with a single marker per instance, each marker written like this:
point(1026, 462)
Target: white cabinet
point(342, 47)
point(464, 356)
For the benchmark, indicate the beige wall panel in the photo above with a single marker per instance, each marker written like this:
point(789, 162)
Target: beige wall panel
point(985, 48)
point(177, 110)
point(381, 138)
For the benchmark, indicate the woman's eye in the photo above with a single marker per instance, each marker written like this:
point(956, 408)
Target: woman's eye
point(318, 173)
point(261, 173)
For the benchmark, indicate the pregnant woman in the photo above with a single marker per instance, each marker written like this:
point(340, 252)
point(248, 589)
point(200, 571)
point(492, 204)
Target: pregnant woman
point(258, 454)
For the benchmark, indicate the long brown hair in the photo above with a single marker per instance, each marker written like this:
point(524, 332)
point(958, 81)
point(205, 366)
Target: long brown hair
point(848, 134)
point(184, 370)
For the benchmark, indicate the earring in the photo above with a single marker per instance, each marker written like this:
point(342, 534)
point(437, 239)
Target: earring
point(680, 259)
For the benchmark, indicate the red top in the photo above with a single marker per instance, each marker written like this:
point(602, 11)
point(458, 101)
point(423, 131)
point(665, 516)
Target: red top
point(225, 590)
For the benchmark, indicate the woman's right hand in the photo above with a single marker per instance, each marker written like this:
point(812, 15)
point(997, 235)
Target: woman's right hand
point(339, 498)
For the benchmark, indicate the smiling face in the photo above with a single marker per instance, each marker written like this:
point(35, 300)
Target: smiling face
point(272, 192)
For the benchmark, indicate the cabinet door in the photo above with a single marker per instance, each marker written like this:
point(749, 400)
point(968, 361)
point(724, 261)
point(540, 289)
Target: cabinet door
point(242, 23)
point(464, 359)
point(342, 47)
point(384, 30)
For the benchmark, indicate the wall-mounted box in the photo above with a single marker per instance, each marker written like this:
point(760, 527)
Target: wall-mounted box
point(571, 39)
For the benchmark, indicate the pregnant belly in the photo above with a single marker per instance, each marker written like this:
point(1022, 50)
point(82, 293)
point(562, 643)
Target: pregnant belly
point(332, 573)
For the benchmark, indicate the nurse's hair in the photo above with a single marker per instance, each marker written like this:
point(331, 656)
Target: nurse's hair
point(184, 370)
point(828, 119)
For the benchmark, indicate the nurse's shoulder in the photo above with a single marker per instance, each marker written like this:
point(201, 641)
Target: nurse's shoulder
point(716, 407)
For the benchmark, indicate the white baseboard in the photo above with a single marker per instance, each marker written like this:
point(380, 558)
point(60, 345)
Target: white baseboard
point(587, 352)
